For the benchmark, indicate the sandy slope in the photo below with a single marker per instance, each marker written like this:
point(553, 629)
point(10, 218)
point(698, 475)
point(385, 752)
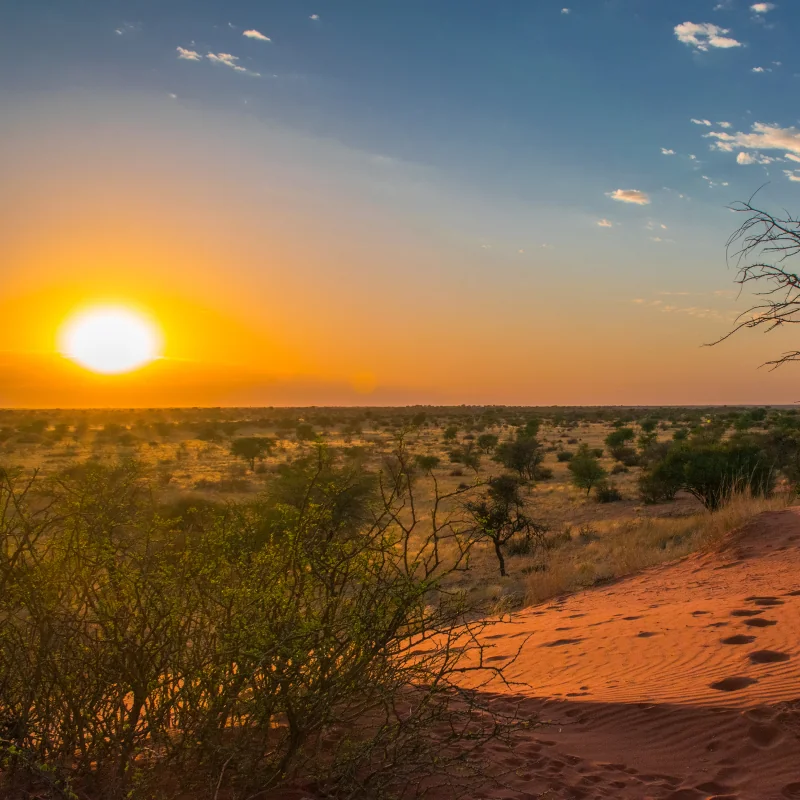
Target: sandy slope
point(682, 682)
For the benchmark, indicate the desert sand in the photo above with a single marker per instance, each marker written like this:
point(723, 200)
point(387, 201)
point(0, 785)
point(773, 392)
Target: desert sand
point(681, 682)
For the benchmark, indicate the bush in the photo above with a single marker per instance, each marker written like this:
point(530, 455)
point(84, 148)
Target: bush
point(542, 473)
point(586, 470)
point(607, 493)
point(564, 455)
point(710, 472)
point(618, 469)
point(270, 647)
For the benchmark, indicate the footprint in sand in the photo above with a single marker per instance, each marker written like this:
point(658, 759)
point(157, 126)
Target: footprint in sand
point(745, 612)
point(739, 639)
point(760, 622)
point(764, 736)
point(765, 601)
point(561, 642)
point(733, 684)
point(768, 657)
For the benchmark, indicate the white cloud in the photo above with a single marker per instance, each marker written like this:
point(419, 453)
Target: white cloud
point(724, 124)
point(227, 60)
point(189, 55)
point(314, 17)
point(566, 10)
point(762, 8)
point(666, 152)
point(629, 196)
point(760, 69)
point(792, 157)
point(706, 122)
point(753, 158)
point(254, 34)
point(764, 136)
point(704, 35)
point(792, 175)
point(693, 157)
point(605, 223)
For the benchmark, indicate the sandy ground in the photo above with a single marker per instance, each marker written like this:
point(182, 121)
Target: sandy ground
point(682, 682)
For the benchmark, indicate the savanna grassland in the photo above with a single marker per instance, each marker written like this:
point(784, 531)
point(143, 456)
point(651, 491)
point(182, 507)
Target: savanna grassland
point(590, 536)
point(239, 603)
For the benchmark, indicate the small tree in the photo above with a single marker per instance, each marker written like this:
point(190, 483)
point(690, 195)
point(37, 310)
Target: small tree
point(427, 463)
point(450, 433)
point(305, 432)
point(617, 440)
point(586, 469)
point(500, 516)
point(522, 455)
point(487, 442)
point(250, 448)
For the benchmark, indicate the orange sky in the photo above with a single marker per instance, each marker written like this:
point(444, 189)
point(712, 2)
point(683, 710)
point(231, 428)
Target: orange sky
point(295, 270)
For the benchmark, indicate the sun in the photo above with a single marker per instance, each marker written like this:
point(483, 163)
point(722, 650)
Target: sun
point(110, 339)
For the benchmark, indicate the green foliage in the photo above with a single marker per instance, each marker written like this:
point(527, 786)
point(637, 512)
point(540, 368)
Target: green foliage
point(233, 649)
point(500, 517)
point(617, 440)
point(586, 469)
point(488, 442)
point(607, 493)
point(450, 433)
point(564, 455)
point(305, 432)
point(710, 472)
point(250, 448)
point(427, 463)
point(521, 455)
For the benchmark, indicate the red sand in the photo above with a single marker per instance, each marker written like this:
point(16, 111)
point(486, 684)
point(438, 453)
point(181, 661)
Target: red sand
point(682, 682)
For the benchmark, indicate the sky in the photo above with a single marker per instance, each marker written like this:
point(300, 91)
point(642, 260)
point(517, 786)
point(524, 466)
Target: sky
point(433, 201)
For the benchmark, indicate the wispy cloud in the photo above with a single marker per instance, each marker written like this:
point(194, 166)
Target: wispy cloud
point(724, 124)
point(666, 152)
point(761, 69)
point(315, 17)
point(605, 223)
point(566, 10)
point(704, 35)
point(763, 136)
point(762, 8)
point(127, 28)
point(629, 196)
point(792, 175)
point(189, 55)
point(227, 60)
point(754, 158)
point(707, 122)
point(254, 34)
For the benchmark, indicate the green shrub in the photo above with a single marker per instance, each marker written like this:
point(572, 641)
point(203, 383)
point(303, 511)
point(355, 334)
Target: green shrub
point(564, 455)
point(607, 493)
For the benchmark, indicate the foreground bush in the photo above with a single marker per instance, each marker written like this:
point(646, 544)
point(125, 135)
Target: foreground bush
point(304, 637)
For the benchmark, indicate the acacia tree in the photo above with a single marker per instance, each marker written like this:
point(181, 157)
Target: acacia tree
point(500, 516)
point(761, 248)
point(250, 448)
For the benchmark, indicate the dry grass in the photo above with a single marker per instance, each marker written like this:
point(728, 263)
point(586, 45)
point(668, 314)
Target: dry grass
point(633, 545)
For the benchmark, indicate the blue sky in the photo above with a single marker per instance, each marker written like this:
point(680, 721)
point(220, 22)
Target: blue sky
point(580, 155)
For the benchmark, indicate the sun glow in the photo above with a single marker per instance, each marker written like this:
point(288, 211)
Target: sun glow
point(110, 339)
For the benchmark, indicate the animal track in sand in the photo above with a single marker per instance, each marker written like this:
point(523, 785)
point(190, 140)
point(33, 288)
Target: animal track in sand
point(740, 638)
point(765, 601)
point(764, 736)
point(561, 642)
point(733, 684)
point(768, 657)
point(760, 622)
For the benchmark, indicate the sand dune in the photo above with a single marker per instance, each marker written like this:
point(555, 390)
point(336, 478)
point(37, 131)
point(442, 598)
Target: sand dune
point(682, 682)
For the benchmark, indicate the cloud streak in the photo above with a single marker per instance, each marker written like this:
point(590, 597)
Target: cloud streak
point(254, 34)
point(630, 196)
point(188, 55)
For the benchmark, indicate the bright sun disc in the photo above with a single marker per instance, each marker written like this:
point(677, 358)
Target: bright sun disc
point(110, 340)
